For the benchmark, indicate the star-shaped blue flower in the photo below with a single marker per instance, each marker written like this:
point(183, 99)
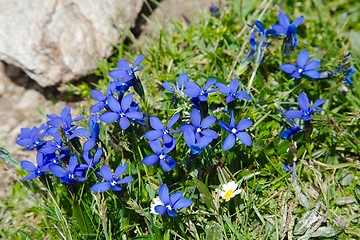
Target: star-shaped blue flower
point(161, 131)
point(303, 67)
point(32, 138)
point(306, 111)
point(124, 71)
point(120, 112)
point(232, 91)
point(161, 155)
point(168, 204)
point(286, 28)
point(193, 91)
point(74, 171)
point(236, 131)
point(35, 171)
point(111, 181)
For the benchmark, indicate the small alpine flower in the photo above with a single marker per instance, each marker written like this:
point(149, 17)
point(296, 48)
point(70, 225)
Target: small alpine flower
point(236, 131)
point(32, 138)
point(74, 171)
point(111, 181)
point(193, 91)
point(348, 74)
point(303, 67)
point(165, 203)
point(120, 111)
point(92, 135)
point(161, 131)
point(289, 29)
point(232, 91)
point(124, 71)
point(229, 190)
point(179, 87)
point(35, 171)
point(306, 111)
point(166, 162)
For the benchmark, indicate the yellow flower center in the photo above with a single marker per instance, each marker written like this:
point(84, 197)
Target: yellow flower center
point(228, 194)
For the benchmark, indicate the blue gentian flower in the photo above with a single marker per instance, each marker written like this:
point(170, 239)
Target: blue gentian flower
point(286, 167)
point(161, 131)
point(102, 100)
point(177, 89)
point(90, 160)
point(200, 127)
point(120, 112)
point(306, 111)
point(236, 131)
point(196, 144)
point(32, 138)
point(286, 28)
point(65, 121)
point(92, 135)
point(197, 93)
point(74, 171)
point(161, 155)
point(111, 181)
point(232, 91)
point(302, 67)
point(348, 74)
point(35, 171)
point(165, 203)
point(124, 71)
point(214, 10)
point(294, 127)
point(55, 146)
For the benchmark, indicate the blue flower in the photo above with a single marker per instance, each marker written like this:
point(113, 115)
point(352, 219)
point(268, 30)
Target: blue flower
point(306, 111)
point(92, 135)
point(160, 130)
point(197, 93)
point(74, 171)
point(214, 10)
point(102, 100)
point(120, 112)
point(348, 74)
point(177, 89)
point(165, 203)
point(286, 28)
point(32, 138)
point(286, 167)
point(55, 146)
point(196, 145)
point(294, 128)
point(35, 171)
point(236, 131)
point(65, 121)
point(124, 71)
point(200, 127)
point(302, 67)
point(232, 91)
point(90, 160)
point(161, 155)
point(111, 181)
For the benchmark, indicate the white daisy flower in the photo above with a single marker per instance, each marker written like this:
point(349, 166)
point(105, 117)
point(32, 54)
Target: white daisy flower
point(229, 190)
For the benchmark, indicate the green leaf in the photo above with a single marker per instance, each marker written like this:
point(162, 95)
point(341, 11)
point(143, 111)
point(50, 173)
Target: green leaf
point(8, 158)
point(205, 191)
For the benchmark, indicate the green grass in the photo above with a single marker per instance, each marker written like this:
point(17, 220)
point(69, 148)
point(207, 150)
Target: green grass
point(321, 202)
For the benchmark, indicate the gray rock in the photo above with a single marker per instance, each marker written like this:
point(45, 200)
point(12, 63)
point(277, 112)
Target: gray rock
point(55, 41)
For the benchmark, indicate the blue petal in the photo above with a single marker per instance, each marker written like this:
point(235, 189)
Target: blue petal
point(72, 164)
point(280, 29)
point(113, 104)
point(243, 95)
point(156, 123)
point(156, 146)
point(160, 209)
point(175, 197)
point(181, 80)
point(125, 180)
point(189, 137)
point(109, 117)
point(223, 88)
point(224, 126)
point(182, 203)
point(208, 121)
point(210, 133)
point(135, 115)
point(126, 101)
point(303, 101)
point(124, 123)
point(100, 187)
point(314, 74)
point(245, 138)
point(293, 113)
point(192, 89)
point(89, 144)
point(97, 95)
point(298, 21)
point(165, 166)
point(150, 160)
point(28, 166)
point(119, 171)
point(153, 134)
point(313, 64)
point(169, 86)
point(173, 120)
point(195, 117)
point(164, 194)
point(244, 124)
point(317, 103)
point(171, 213)
point(58, 171)
point(283, 19)
point(138, 60)
point(234, 84)
point(302, 58)
point(29, 177)
point(106, 173)
point(288, 68)
point(210, 83)
point(229, 142)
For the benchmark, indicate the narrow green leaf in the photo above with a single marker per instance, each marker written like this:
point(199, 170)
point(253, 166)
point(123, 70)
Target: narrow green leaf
point(8, 158)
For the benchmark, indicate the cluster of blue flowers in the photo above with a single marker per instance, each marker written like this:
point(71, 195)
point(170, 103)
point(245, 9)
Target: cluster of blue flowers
point(58, 142)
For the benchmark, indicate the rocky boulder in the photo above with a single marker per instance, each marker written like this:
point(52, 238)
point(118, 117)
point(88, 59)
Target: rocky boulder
point(55, 41)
